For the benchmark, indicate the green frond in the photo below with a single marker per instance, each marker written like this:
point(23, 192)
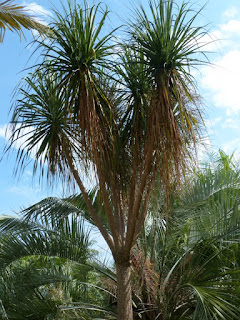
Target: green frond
point(194, 247)
point(49, 265)
point(51, 209)
point(65, 238)
point(14, 17)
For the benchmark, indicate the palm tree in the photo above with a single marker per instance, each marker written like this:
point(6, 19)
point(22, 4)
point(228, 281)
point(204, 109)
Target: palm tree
point(195, 247)
point(14, 17)
point(128, 119)
point(185, 264)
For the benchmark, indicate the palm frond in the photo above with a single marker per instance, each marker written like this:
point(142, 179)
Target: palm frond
point(14, 17)
point(65, 239)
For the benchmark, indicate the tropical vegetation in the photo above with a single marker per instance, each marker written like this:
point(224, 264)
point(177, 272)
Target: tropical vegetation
point(123, 112)
point(185, 264)
point(86, 107)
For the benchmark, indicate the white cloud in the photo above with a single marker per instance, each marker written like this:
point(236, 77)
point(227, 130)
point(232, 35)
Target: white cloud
point(21, 142)
point(224, 36)
point(231, 123)
point(38, 12)
point(216, 120)
point(211, 41)
point(230, 13)
point(211, 125)
point(232, 26)
point(37, 9)
point(232, 146)
point(24, 190)
point(222, 79)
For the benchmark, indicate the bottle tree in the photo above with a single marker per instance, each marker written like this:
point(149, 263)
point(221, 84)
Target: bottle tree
point(126, 112)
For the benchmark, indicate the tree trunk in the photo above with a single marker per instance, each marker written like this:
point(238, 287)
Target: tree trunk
point(124, 291)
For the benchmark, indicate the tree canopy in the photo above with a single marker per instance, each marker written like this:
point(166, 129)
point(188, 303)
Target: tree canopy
point(127, 111)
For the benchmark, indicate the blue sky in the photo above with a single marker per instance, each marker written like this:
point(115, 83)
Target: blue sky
point(219, 85)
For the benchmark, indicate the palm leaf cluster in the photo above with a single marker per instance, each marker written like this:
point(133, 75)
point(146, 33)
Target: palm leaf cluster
point(195, 246)
point(14, 17)
point(48, 271)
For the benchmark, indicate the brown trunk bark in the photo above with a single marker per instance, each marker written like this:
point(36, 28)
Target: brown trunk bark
point(124, 291)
